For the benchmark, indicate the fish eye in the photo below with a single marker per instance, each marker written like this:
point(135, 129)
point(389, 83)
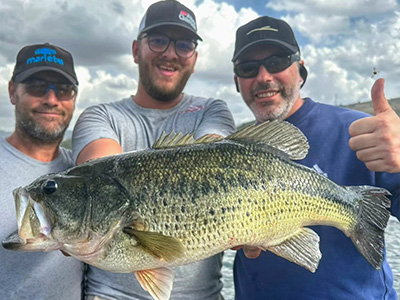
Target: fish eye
point(50, 186)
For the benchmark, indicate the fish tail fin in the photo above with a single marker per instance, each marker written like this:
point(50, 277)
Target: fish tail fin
point(368, 235)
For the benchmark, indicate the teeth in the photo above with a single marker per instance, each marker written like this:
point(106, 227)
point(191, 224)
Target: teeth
point(167, 68)
point(269, 94)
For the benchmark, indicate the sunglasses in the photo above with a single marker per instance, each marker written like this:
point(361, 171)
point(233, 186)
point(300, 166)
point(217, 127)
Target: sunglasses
point(159, 43)
point(273, 64)
point(39, 88)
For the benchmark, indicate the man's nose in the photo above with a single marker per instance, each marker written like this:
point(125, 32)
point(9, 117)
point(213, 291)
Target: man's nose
point(51, 96)
point(263, 74)
point(170, 51)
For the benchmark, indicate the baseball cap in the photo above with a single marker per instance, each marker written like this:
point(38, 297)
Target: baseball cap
point(267, 30)
point(168, 13)
point(43, 57)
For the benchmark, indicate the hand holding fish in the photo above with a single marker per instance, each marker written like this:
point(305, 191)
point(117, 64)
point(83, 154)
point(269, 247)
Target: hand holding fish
point(249, 251)
point(376, 139)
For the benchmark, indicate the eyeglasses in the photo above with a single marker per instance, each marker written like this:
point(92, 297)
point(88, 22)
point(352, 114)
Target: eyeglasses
point(39, 88)
point(159, 43)
point(273, 64)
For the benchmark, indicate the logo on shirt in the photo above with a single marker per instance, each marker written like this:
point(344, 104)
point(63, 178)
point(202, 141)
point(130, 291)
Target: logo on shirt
point(45, 55)
point(193, 108)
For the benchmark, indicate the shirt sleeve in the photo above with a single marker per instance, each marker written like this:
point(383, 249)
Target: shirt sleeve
point(392, 183)
point(93, 124)
point(217, 119)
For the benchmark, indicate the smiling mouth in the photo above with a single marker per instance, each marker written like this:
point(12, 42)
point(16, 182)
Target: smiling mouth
point(267, 94)
point(167, 68)
point(49, 112)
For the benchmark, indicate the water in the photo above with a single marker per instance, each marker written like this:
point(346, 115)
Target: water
point(393, 254)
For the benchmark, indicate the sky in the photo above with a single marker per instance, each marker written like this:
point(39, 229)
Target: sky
point(341, 43)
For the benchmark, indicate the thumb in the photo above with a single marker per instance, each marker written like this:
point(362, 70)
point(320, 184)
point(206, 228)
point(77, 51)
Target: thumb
point(378, 97)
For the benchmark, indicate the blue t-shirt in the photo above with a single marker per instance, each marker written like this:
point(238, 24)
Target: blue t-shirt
point(343, 273)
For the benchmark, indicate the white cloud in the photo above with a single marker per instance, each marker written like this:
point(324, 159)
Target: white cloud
point(351, 8)
point(342, 41)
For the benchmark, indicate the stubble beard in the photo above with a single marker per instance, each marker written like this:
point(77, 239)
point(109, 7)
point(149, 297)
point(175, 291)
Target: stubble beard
point(267, 111)
point(36, 131)
point(157, 91)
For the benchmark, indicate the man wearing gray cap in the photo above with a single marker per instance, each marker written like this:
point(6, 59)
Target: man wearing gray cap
point(43, 89)
point(346, 146)
point(165, 51)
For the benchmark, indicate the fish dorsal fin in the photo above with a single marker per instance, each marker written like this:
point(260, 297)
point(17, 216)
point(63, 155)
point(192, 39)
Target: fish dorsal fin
point(158, 282)
point(163, 247)
point(277, 134)
point(173, 139)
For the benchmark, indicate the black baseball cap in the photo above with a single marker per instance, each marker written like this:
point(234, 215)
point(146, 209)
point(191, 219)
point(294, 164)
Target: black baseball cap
point(43, 57)
point(271, 31)
point(169, 13)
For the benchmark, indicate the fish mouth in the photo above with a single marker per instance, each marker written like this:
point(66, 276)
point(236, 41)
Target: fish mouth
point(40, 243)
point(31, 217)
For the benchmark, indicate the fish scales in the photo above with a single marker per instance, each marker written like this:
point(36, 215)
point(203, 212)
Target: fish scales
point(248, 195)
point(187, 200)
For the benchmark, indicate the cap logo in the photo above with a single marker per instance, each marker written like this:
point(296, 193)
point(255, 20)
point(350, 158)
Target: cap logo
point(185, 16)
point(265, 28)
point(45, 55)
point(45, 51)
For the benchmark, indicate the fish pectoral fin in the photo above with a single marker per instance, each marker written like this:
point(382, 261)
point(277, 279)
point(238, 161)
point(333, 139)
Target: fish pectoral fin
point(301, 248)
point(159, 245)
point(158, 282)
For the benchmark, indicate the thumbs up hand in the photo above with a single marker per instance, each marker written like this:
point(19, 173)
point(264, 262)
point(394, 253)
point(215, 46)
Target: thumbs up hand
point(376, 139)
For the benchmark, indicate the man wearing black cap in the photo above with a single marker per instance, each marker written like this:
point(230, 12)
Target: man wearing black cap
point(269, 74)
point(165, 51)
point(43, 89)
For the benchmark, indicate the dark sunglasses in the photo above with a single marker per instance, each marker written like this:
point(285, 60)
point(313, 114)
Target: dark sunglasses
point(39, 88)
point(273, 64)
point(159, 43)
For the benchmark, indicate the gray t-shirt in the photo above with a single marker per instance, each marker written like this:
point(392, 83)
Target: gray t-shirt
point(32, 275)
point(134, 127)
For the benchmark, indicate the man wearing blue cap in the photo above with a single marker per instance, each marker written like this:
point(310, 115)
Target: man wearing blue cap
point(165, 51)
point(269, 74)
point(43, 89)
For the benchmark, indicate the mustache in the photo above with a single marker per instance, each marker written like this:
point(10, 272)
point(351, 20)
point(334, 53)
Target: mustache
point(173, 63)
point(46, 109)
point(266, 86)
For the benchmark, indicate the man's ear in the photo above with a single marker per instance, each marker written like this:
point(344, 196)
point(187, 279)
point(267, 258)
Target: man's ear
point(12, 90)
point(135, 51)
point(195, 60)
point(235, 79)
point(303, 73)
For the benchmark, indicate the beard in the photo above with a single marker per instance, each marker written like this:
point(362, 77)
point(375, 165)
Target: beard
point(269, 111)
point(36, 130)
point(157, 91)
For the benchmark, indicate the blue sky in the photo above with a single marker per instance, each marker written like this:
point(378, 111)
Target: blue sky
point(341, 42)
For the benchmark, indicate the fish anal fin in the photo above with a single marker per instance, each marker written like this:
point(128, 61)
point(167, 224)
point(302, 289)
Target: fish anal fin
point(301, 248)
point(158, 282)
point(161, 246)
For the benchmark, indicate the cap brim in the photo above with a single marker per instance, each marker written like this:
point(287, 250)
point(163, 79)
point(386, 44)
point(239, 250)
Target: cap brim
point(281, 44)
point(25, 74)
point(170, 24)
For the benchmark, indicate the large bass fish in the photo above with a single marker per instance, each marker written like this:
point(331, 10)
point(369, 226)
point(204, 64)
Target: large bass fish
point(184, 200)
